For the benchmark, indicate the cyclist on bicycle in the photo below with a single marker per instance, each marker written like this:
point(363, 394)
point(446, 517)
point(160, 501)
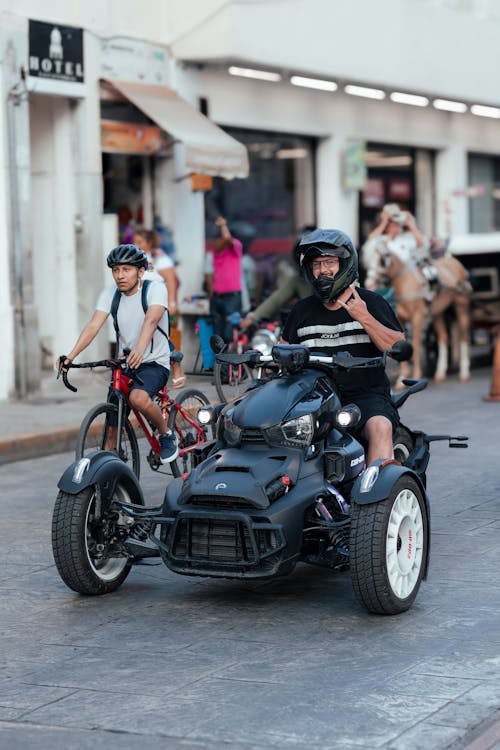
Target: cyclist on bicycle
point(140, 332)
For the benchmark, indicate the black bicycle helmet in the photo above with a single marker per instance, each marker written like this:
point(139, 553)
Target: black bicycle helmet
point(129, 255)
point(328, 242)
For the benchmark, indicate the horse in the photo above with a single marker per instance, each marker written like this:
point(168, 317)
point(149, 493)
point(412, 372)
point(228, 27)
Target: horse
point(415, 302)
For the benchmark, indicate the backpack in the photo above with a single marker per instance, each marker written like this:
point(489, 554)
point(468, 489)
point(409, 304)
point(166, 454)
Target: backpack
point(115, 302)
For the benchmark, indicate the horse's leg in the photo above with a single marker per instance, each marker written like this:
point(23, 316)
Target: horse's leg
point(462, 311)
point(418, 323)
point(439, 324)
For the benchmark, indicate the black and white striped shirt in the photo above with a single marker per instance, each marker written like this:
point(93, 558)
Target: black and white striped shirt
point(331, 331)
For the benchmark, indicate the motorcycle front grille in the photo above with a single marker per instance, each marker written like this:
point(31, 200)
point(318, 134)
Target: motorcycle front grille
point(252, 435)
point(213, 501)
point(213, 540)
point(206, 543)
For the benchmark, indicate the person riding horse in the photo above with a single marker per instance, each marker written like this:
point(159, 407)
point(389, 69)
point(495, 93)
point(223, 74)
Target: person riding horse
point(397, 232)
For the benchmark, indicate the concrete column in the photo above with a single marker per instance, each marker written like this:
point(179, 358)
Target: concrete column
point(54, 211)
point(424, 180)
point(336, 207)
point(22, 371)
point(87, 171)
point(451, 175)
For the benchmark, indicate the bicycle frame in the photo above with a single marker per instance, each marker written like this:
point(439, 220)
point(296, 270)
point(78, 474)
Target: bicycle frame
point(121, 389)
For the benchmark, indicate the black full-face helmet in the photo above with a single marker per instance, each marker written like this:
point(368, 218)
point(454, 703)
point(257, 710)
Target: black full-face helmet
point(129, 255)
point(324, 242)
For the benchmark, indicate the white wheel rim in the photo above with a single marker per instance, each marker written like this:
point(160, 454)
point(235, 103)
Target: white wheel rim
point(110, 568)
point(404, 544)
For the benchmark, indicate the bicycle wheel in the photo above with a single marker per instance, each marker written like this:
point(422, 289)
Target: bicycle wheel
point(190, 400)
point(94, 431)
point(231, 381)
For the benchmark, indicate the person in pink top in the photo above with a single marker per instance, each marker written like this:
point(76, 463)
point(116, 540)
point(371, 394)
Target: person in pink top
point(224, 285)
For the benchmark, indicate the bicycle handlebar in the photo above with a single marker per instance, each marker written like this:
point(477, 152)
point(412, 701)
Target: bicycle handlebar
point(110, 363)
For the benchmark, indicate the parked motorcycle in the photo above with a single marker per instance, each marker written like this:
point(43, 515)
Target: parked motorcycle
point(283, 482)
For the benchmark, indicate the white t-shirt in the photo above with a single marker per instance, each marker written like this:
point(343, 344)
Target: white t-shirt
point(130, 319)
point(157, 263)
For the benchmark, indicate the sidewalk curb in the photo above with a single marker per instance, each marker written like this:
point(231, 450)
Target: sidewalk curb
point(35, 445)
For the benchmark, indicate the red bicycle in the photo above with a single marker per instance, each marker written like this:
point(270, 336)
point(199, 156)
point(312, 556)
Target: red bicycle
point(233, 380)
point(180, 415)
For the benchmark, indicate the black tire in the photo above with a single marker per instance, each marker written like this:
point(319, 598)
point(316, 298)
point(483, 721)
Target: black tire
point(232, 381)
point(403, 443)
point(92, 436)
point(191, 400)
point(388, 549)
point(74, 541)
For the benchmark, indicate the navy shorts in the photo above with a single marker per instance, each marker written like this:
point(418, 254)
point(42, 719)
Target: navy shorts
point(154, 377)
point(374, 403)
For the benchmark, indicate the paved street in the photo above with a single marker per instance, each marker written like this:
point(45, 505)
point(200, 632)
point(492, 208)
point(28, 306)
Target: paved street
point(175, 662)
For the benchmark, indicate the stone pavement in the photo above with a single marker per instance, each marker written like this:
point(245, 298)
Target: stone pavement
point(48, 421)
point(198, 664)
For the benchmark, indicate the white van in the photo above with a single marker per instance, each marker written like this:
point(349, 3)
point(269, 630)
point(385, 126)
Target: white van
point(480, 254)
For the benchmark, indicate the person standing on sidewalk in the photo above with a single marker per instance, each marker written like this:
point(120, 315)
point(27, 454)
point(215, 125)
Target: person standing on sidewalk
point(224, 285)
point(161, 268)
point(139, 331)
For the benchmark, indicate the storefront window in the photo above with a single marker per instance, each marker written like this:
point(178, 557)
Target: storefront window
point(484, 193)
point(390, 179)
point(278, 196)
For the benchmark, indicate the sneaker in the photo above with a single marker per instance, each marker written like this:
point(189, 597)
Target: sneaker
point(169, 447)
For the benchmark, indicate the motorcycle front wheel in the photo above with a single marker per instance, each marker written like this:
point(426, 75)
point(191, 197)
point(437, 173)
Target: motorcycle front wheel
point(388, 549)
point(82, 545)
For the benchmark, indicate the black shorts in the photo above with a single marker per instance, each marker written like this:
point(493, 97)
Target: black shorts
point(373, 403)
point(154, 377)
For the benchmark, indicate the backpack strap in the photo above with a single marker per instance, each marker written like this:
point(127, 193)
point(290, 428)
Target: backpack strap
point(114, 314)
point(144, 301)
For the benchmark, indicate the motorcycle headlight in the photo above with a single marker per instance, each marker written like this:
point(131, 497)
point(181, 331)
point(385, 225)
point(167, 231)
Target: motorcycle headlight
point(296, 432)
point(348, 416)
point(232, 433)
point(264, 341)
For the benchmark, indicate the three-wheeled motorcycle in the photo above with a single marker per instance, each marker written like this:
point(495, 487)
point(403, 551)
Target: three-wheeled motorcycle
point(284, 481)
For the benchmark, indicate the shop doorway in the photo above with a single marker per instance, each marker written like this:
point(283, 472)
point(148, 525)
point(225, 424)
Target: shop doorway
point(390, 179)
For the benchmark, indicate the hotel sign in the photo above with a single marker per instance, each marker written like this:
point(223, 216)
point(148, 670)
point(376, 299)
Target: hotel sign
point(55, 53)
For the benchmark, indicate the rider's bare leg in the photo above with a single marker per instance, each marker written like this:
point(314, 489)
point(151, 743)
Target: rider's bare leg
point(378, 433)
point(141, 401)
point(111, 437)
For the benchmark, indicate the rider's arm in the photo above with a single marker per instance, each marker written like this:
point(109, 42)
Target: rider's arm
point(275, 301)
point(151, 320)
point(412, 227)
point(382, 336)
point(88, 334)
point(381, 227)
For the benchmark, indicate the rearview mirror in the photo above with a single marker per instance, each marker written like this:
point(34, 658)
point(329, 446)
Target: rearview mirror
point(401, 351)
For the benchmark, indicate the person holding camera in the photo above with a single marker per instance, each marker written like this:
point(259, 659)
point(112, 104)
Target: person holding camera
point(397, 232)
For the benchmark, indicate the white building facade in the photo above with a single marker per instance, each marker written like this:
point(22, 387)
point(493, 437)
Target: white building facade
point(63, 176)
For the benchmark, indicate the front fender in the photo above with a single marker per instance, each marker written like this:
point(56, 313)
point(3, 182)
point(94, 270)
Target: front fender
point(102, 468)
point(388, 476)
point(389, 473)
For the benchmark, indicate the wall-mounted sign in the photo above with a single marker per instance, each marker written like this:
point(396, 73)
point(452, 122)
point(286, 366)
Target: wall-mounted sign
point(354, 171)
point(129, 138)
point(55, 51)
point(201, 182)
point(134, 61)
